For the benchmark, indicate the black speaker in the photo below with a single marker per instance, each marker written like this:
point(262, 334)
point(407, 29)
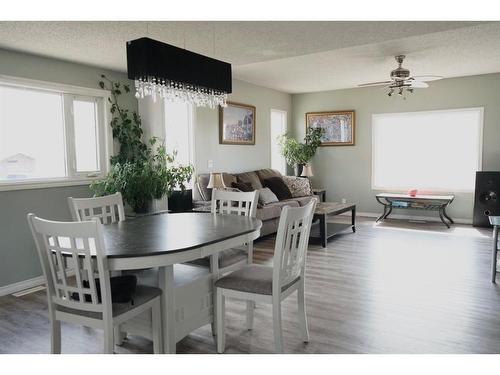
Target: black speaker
point(486, 198)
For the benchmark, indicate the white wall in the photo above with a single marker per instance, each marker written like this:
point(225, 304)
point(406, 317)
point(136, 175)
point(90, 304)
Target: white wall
point(346, 171)
point(239, 158)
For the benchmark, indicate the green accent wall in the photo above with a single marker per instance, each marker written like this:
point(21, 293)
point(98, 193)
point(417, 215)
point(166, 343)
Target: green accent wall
point(346, 172)
point(18, 258)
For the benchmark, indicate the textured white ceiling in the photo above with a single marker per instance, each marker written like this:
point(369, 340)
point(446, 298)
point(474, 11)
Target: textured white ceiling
point(287, 56)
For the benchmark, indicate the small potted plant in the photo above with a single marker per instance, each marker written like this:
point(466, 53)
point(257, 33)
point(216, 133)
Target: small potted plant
point(298, 154)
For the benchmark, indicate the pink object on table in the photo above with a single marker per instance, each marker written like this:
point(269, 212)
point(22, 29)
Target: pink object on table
point(412, 192)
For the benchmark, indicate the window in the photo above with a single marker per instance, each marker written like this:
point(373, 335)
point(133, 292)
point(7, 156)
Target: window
point(49, 135)
point(278, 127)
point(436, 150)
point(179, 135)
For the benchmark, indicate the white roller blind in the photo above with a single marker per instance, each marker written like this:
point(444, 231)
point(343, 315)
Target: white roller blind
point(435, 150)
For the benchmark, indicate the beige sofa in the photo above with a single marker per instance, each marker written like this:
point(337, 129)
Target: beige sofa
point(269, 213)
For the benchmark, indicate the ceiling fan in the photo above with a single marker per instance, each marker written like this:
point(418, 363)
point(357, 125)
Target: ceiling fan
point(401, 82)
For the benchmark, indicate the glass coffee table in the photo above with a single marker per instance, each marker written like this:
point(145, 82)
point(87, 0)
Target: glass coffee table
point(325, 230)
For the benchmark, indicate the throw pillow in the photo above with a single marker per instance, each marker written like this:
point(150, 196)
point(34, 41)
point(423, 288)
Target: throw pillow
point(243, 186)
point(266, 196)
point(278, 187)
point(298, 186)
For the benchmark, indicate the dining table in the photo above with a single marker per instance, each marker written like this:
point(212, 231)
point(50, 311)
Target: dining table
point(166, 241)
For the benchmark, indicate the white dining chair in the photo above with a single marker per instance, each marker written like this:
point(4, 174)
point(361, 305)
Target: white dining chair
point(89, 305)
point(109, 208)
point(260, 283)
point(230, 203)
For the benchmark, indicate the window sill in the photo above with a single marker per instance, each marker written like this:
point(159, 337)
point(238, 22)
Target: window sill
point(44, 184)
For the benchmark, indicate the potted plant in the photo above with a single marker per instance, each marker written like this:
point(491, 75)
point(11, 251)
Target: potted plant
point(140, 171)
point(180, 199)
point(298, 154)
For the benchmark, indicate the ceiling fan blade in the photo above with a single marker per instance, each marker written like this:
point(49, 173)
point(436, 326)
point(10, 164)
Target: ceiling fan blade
point(427, 78)
point(419, 84)
point(375, 83)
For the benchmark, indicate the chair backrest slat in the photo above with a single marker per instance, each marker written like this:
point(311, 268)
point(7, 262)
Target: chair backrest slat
point(234, 203)
point(83, 243)
point(291, 244)
point(109, 209)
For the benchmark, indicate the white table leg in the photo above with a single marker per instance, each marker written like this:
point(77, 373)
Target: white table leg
point(166, 281)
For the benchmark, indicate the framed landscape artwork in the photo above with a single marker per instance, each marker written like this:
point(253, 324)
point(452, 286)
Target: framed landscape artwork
point(237, 124)
point(338, 127)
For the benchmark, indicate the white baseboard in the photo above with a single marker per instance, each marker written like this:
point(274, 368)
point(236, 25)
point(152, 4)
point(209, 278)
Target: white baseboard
point(26, 284)
point(408, 217)
point(21, 285)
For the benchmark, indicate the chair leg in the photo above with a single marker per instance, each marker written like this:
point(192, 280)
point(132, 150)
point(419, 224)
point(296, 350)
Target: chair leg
point(250, 308)
point(301, 301)
point(55, 336)
point(278, 333)
point(221, 312)
point(156, 328)
point(119, 335)
point(109, 338)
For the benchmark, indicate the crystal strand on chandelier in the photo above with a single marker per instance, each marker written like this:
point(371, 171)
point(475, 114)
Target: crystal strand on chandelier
point(178, 91)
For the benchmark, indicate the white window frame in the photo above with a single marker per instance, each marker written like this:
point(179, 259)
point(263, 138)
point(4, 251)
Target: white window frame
point(191, 133)
point(105, 139)
point(284, 129)
point(432, 190)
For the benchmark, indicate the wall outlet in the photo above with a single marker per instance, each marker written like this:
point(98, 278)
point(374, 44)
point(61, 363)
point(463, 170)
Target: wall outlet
point(344, 200)
point(210, 164)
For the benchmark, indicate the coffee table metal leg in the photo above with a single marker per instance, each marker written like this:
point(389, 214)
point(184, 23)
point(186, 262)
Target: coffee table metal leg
point(446, 215)
point(353, 219)
point(323, 229)
point(383, 214)
point(442, 218)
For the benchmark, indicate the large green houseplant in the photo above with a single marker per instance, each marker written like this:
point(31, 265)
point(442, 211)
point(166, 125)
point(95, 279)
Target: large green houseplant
point(140, 171)
point(298, 154)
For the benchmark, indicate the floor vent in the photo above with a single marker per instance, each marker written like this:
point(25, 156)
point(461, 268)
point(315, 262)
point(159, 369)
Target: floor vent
point(28, 291)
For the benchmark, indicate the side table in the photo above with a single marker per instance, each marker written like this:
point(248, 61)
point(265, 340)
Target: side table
point(321, 193)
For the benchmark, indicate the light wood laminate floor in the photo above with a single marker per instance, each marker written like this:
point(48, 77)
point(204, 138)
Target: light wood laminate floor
point(394, 287)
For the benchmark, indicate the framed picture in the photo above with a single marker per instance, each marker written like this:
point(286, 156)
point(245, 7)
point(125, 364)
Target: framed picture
point(237, 124)
point(338, 127)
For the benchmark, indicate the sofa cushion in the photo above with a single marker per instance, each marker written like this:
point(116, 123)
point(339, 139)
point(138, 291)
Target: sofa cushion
point(298, 186)
point(228, 179)
point(251, 178)
point(243, 186)
point(273, 210)
point(266, 196)
point(264, 174)
point(302, 201)
point(278, 187)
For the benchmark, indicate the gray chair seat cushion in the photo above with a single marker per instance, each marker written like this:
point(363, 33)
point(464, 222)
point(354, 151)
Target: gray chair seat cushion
point(142, 295)
point(226, 258)
point(253, 278)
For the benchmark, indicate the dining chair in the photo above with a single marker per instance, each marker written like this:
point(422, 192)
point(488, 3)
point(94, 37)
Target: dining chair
point(230, 203)
point(109, 208)
point(267, 284)
point(88, 304)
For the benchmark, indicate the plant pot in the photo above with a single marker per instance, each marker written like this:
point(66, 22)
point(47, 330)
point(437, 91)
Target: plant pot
point(143, 208)
point(181, 200)
point(298, 169)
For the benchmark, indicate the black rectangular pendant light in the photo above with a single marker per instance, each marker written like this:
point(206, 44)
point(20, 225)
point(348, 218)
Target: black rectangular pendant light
point(149, 58)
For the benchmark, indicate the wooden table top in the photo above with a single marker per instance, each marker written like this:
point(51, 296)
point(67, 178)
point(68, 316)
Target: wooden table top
point(171, 233)
point(418, 196)
point(326, 208)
